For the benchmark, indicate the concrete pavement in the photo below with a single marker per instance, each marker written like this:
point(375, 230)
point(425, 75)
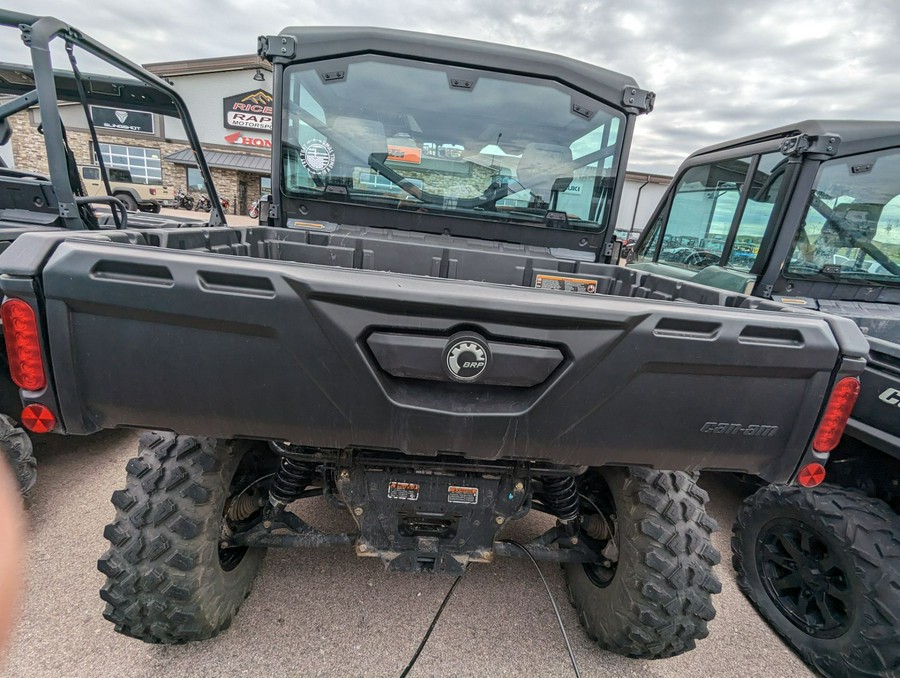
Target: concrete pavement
point(328, 613)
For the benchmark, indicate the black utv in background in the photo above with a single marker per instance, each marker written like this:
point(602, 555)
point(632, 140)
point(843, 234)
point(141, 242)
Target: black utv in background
point(31, 203)
point(426, 331)
point(809, 215)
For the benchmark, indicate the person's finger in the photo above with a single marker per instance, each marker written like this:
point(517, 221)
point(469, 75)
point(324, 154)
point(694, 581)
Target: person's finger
point(12, 549)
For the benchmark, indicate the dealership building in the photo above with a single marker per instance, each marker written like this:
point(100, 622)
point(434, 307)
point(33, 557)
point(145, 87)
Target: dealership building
point(230, 102)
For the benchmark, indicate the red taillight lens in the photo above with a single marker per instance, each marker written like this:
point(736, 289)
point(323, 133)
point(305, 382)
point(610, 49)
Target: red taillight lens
point(23, 347)
point(811, 475)
point(837, 412)
point(38, 418)
point(152, 191)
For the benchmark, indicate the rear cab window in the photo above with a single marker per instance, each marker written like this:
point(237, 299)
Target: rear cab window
point(851, 230)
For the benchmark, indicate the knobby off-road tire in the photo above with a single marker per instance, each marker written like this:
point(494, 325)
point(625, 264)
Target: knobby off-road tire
point(659, 599)
point(166, 582)
point(843, 550)
point(19, 453)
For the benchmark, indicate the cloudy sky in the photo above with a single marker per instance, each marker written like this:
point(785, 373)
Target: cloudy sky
point(720, 69)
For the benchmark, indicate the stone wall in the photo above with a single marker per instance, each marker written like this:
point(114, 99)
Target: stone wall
point(469, 185)
point(30, 155)
point(27, 145)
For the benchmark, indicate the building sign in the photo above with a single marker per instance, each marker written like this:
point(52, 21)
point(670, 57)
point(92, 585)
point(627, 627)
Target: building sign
point(122, 119)
point(250, 110)
point(238, 139)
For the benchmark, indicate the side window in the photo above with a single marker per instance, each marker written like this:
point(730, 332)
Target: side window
point(647, 248)
point(119, 174)
point(91, 173)
point(702, 211)
point(761, 200)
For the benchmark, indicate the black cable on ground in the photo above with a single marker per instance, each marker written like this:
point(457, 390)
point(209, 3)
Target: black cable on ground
point(562, 628)
point(437, 615)
point(430, 628)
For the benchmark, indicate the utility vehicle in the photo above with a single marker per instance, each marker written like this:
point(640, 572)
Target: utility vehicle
point(426, 331)
point(808, 214)
point(135, 196)
point(30, 202)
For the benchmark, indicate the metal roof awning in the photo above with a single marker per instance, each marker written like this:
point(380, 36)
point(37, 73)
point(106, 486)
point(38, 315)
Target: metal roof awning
point(242, 162)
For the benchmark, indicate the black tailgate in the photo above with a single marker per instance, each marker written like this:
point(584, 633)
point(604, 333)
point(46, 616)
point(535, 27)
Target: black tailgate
point(235, 347)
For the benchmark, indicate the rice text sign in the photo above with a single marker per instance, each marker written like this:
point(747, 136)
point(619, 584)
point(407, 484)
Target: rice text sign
point(249, 110)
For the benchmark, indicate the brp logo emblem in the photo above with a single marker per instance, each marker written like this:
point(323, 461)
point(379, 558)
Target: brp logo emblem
point(466, 358)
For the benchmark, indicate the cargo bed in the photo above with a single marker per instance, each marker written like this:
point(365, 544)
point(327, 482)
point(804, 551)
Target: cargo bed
point(334, 338)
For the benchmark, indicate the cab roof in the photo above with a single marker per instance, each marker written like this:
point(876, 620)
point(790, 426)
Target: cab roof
point(316, 43)
point(856, 135)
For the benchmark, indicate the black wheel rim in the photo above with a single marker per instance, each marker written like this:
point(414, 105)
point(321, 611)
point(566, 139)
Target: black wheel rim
point(230, 556)
point(240, 510)
point(804, 577)
point(603, 572)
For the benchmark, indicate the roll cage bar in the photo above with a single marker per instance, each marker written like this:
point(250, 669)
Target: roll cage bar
point(47, 87)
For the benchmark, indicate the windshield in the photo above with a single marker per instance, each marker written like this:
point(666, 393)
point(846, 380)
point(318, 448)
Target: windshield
point(851, 232)
point(429, 138)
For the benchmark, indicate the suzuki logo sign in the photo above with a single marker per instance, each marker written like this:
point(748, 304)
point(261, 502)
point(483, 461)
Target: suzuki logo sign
point(249, 110)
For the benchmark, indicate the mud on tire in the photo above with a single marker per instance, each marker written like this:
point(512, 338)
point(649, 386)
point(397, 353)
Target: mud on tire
point(659, 599)
point(19, 453)
point(851, 561)
point(166, 581)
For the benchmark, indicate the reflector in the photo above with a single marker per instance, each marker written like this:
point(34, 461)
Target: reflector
point(38, 418)
point(811, 475)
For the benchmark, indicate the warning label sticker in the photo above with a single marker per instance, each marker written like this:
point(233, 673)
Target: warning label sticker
point(556, 282)
point(408, 491)
point(458, 494)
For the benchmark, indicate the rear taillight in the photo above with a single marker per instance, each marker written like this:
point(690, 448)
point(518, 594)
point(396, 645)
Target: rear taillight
point(152, 191)
point(837, 412)
point(23, 347)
